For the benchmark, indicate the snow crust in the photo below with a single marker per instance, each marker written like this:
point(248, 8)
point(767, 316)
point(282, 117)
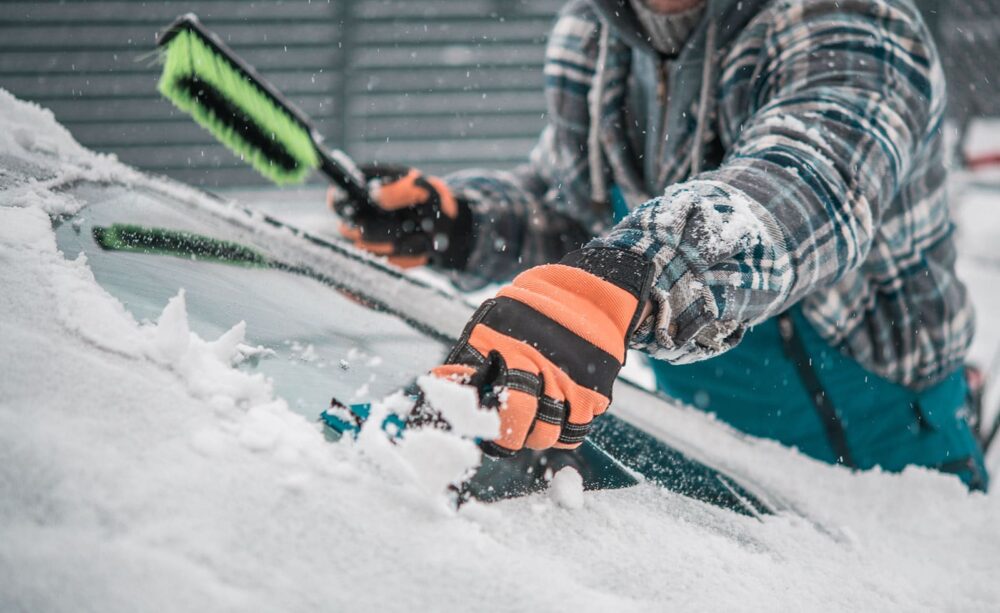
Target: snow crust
point(37, 155)
point(459, 406)
point(566, 488)
point(140, 471)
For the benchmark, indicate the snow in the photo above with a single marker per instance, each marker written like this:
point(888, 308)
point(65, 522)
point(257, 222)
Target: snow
point(438, 460)
point(37, 155)
point(740, 226)
point(979, 268)
point(140, 471)
point(566, 488)
point(983, 138)
point(459, 406)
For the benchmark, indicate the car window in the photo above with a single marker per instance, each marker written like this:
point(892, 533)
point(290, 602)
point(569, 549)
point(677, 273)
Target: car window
point(321, 343)
point(324, 343)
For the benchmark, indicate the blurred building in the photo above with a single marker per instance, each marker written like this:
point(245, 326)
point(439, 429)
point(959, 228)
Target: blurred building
point(968, 35)
point(442, 84)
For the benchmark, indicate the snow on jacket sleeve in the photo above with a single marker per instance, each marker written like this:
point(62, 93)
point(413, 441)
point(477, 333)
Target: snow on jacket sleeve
point(823, 106)
point(540, 211)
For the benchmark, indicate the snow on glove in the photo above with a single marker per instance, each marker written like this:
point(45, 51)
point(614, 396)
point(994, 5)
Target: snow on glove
point(554, 341)
point(418, 219)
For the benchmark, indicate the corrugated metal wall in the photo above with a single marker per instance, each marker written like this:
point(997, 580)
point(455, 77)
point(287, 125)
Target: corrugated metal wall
point(442, 84)
point(446, 83)
point(439, 83)
point(968, 33)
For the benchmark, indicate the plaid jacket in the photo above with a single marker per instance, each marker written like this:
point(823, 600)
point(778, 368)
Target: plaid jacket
point(801, 162)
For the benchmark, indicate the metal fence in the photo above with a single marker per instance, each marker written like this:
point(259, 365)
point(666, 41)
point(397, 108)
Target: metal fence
point(968, 36)
point(439, 83)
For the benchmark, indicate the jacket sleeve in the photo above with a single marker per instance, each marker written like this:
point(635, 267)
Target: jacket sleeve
point(519, 220)
point(828, 103)
point(540, 211)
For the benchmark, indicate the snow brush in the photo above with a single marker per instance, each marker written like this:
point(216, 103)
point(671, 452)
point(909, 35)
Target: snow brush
point(139, 239)
point(204, 78)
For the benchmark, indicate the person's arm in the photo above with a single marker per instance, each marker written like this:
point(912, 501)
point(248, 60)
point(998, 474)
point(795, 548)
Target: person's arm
point(479, 225)
point(841, 96)
point(486, 226)
point(517, 218)
point(542, 210)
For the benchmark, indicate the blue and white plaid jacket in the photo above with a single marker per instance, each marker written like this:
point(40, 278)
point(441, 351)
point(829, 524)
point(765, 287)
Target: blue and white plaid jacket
point(794, 156)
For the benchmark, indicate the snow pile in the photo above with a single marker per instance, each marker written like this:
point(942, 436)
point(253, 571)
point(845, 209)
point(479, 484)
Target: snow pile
point(432, 459)
point(37, 156)
point(979, 268)
point(566, 488)
point(981, 143)
point(721, 233)
point(139, 471)
point(459, 406)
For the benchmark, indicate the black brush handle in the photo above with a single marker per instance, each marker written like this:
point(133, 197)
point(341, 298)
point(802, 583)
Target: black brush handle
point(341, 170)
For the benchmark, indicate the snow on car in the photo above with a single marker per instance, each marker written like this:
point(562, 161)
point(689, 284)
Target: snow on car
point(159, 448)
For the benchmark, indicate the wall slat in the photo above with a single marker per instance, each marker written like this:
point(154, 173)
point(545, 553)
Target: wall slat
point(438, 83)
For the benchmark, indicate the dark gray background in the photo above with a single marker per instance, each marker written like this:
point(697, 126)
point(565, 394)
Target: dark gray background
point(442, 84)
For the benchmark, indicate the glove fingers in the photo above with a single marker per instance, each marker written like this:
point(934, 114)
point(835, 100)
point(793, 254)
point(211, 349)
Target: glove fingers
point(552, 410)
point(517, 416)
point(544, 407)
point(543, 435)
point(517, 412)
point(449, 206)
point(559, 395)
point(407, 253)
point(408, 261)
point(418, 214)
point(402, 192)
point(356, 235)
point(459, 373)
point(383, 172)
point(584, 405)
point(389, 250)
point(352, 233)
point(406, 228)
point(376, 248)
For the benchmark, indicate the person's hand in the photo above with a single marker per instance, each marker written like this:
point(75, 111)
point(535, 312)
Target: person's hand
point(553, 342)
point(417, 219)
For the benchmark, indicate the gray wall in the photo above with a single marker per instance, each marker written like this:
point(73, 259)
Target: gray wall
point(968, 34)
point(442, 84)
point(439, 83)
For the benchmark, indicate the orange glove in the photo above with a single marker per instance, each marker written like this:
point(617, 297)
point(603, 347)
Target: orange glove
point(554, 341)
point(418, 220)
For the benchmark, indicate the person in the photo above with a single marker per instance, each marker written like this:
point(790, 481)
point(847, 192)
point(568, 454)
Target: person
point(750, 191)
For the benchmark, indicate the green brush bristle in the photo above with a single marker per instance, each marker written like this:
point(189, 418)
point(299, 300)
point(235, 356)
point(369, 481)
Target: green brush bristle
point(161, 241)
point(205, 85)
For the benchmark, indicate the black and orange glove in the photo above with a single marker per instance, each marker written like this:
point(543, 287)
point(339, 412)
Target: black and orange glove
point(553, 342)
point(417, 220)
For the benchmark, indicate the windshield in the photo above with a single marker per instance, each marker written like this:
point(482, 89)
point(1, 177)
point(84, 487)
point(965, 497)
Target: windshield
point(320, 342)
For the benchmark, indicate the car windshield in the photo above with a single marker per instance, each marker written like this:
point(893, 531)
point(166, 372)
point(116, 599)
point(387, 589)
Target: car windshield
point(317, 342)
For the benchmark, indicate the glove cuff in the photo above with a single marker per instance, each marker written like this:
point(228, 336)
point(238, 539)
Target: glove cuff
point(460, 240)
point(625, 269)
